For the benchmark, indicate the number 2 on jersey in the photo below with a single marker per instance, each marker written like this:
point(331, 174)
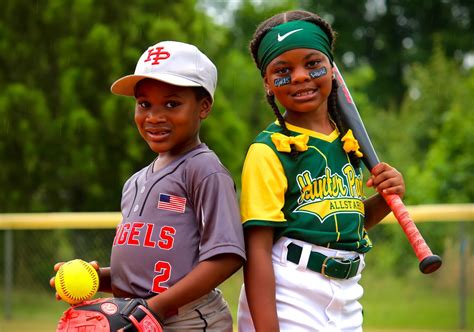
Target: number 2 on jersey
point(164, 271)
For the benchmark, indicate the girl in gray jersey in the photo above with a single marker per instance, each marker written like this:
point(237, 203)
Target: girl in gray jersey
point(180, 236)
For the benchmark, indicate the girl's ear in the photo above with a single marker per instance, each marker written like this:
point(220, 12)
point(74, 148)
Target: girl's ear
point(205, 107)
point(266, 86)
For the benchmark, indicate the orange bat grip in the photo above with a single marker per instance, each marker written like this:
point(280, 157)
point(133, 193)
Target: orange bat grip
point(428, 262)
point(406, 222)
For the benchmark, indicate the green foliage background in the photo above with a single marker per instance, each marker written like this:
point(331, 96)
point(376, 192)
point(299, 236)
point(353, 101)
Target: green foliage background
point(68, 144)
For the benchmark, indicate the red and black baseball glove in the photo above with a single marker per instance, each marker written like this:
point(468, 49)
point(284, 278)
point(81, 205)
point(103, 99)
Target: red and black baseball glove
point(110, 314)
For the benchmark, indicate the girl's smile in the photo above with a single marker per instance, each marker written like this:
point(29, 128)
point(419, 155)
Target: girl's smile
point(304, 94)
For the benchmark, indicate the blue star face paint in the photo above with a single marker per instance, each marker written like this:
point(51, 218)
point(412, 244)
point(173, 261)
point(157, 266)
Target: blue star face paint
point(282, 81)
point(318, 73)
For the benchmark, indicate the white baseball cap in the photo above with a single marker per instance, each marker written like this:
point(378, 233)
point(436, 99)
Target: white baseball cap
point(171, 62)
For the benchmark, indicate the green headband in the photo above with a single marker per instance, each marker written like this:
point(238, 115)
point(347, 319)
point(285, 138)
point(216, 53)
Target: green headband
point(291, 35)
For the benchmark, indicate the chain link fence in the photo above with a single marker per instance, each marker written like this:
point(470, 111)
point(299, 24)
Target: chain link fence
point(28, 256)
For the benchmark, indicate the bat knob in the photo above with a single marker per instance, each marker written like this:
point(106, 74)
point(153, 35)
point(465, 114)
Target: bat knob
point(430, 264)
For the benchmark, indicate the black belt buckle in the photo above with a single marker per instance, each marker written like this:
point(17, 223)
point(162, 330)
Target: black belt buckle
point(339, 268)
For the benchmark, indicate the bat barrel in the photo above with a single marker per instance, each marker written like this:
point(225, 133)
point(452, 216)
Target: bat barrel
point(351, 118)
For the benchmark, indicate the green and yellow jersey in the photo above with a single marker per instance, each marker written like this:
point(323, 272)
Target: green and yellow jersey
point(316, 197)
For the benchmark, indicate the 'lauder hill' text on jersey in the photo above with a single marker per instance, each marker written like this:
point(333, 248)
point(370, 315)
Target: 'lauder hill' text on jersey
point(316, 197)
point(173, 219)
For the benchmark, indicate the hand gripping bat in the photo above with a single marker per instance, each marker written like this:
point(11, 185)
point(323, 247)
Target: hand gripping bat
point(351, 118)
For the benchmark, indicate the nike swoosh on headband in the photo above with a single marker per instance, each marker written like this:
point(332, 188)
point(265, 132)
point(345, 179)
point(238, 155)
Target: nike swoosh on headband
point(280, 38)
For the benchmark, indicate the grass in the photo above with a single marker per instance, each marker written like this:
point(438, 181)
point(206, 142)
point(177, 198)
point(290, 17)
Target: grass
point(399, 305)
point(413, 303)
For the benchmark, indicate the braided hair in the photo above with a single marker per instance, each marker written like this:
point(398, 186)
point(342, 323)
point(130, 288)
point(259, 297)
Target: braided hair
point(301, 15)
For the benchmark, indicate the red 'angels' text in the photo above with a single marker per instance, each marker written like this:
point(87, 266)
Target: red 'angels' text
point(144, 234)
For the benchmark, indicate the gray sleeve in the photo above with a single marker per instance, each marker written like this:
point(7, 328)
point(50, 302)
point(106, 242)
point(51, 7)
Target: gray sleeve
point(218, 215)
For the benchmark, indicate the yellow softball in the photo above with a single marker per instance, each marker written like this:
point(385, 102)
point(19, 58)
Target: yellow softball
point(76, 281)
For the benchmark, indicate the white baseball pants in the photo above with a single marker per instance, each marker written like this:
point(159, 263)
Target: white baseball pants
point(307, 300)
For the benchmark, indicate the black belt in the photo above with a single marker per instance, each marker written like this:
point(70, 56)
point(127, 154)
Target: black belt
point(328, 266)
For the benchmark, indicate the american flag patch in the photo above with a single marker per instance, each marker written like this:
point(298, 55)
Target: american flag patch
point(172, 203)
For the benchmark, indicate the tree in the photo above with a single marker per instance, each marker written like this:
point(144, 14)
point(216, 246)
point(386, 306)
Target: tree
point(440, 99)
point(67, 142)
point(430, 141)
point(390, 35)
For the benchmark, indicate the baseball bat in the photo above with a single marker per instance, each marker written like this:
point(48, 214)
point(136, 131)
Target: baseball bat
point(351, 118)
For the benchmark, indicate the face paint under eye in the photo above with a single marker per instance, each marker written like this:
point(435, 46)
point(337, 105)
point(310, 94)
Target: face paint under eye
point(318, 73)
point(282, 81)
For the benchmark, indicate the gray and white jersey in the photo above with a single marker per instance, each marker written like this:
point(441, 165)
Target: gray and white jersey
point(173, 219)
